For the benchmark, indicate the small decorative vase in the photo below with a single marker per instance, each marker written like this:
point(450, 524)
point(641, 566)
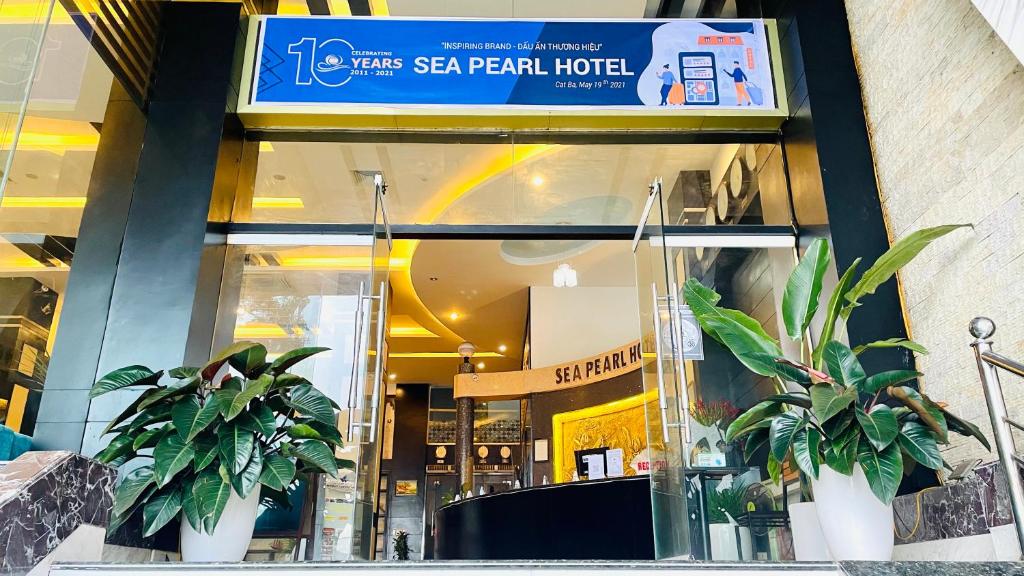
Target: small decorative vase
point(808, 541)
point(856, 524)
point(230, 539)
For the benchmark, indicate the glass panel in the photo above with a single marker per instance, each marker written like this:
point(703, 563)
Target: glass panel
point(371, 395)
point(662, 376)
point(507, 183)
point(291, 296)
point(46, 185)
point(751, 280)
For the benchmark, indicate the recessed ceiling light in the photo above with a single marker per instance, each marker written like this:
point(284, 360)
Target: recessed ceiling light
point(279, 177)
point(433, 278)
point(453, 316)
point(537, 180)
point(392, 376)
point(502, 348)
point(32, 176)
point(481, 365)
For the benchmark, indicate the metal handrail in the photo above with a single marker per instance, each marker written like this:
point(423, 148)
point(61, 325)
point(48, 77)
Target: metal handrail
point(988, 364)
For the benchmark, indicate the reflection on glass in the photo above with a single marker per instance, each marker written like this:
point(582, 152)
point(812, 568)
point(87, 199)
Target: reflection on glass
point(289, 297)
point(45, 189)
point(508, 183)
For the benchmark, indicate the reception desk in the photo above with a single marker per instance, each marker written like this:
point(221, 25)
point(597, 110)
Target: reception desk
point(591, 520)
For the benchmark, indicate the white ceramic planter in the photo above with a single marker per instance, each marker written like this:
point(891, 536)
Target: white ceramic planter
point(723, 542)
point(808, 541)
point(230, 539)
point(856, 525)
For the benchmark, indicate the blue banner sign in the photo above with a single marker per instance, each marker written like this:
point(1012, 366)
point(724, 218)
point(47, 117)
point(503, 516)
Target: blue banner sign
point(637, 64)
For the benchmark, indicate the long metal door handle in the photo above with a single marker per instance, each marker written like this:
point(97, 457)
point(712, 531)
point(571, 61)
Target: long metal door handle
point(379, 363)
point(662, 402)
point(682, 393)
point(356, 333)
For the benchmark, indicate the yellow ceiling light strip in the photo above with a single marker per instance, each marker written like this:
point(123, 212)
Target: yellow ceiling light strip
point(338, 262)
point(260, 330)
point(441, 355)
point(277, 202)
point(411, 332)
point(32, 12)
point(379, 8)
point(293, 8)
point(42, 202)
point(266, 147)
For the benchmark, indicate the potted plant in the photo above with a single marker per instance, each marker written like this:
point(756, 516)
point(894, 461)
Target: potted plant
point(853, 434)
point(215, 446)
point(727, 503)
point(400, 542)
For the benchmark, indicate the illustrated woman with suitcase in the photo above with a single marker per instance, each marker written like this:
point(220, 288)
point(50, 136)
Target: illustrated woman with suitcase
point(667, 80)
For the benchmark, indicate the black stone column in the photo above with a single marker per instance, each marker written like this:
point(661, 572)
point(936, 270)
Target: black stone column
point(136, 273)
point(464, 408)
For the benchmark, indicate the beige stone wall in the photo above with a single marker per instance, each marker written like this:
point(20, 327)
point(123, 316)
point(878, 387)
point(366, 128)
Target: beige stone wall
point(944, 101)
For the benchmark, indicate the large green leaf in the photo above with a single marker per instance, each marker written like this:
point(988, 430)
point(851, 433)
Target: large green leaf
point(214, 365)
point(884, 470)
point(876, 382)
point(212, 491)
point(309, 401)
point(278, 472)
point(190, 417)
point(161, 509)
point(800, 298)
point(206, 451)
point(835, 305)
point(266, 419)
point(741, 334)
point(930, 415)
point(800, 399)
point(123, 377)
point(805, 451)
point(244, 482)
point(224, 397)
point(150, 437)
point(917, 440)
point(117, 520)
point(959, 425)
point(828, 400)
point(879, 426)
point(754, 442)
point(774, 468)
point(190, 506)
point(133, 485)
point(130, 411)
point(792, 371)
point(317, 454)
point(902, 251)
point(784, 428)
point(171, 455)
point(182, 372)
point(251, 360)
point(253, 389)
point(891, 343)
point(293, 357)
point(179, 388)
point(235, 444)
point(328, 432)
point(152, 415)
point(842, 363)
point(121, 445)
point(841, 457)
point(835, 427)
point(750, 418)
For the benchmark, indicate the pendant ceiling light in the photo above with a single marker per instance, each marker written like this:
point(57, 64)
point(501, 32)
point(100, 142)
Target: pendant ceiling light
point(564, 276)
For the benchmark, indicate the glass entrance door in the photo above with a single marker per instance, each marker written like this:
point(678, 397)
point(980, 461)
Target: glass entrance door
point(664, 382)
point(368, 390)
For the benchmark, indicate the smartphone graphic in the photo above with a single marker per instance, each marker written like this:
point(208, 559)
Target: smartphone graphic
point(699, 78)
